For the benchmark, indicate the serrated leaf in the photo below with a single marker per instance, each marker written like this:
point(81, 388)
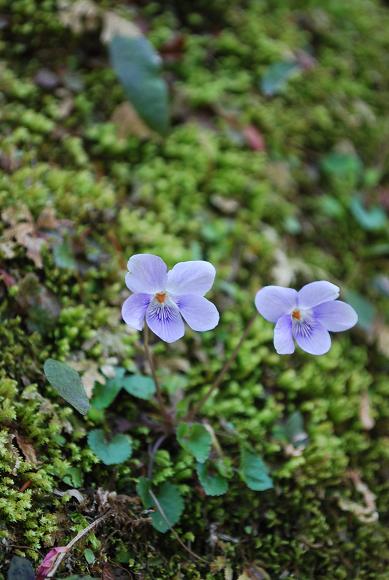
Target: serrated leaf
point(276, 77)
point(195, 439)
point(370, 219)
point(138, 67)
point(112, 452)
point(169, 500)
point(213, 483)
point(139, 386)
point(104, 395)
point(20, 569)
point(254, 471)
point(365, 310)
point(67, 382)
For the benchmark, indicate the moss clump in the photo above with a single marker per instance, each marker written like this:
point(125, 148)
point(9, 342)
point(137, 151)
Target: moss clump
point(282, 214)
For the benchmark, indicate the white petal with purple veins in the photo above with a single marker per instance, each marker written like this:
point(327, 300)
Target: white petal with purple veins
point(134, 310)
point(336, 315)
point(198, 312)
point(313, 337)
point(194, 277)
point(165, 321)
point(146, 273)
point(283, 337)
point(316, 293)
point(275, 301)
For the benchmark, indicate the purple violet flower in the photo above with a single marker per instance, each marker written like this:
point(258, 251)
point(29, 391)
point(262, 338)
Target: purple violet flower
point(305, 316)
point(165, 298)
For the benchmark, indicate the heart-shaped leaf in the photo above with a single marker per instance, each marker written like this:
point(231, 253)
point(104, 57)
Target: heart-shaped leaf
point(104, 395)
point(67, 382)
point(370, 219)
point(117, 450)
point(195, 439)
point(138, 67)
point(167, 502)
point(213, 483)
point(254, 472)
point(139, 386)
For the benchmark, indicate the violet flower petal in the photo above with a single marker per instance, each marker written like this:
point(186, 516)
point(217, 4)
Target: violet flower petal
point(272, 302)
point(193, 277)
point(316, 340)
point(283, 337)
point(134, 310)
point(198, 312)
point(336, 316)
point(165, 321)
point(147, 274)
point(316, 293)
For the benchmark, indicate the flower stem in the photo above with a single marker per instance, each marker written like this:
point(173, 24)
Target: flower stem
point(226, 367)
point(150, 360)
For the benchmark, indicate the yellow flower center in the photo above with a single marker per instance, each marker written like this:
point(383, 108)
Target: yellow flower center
point(296, 314)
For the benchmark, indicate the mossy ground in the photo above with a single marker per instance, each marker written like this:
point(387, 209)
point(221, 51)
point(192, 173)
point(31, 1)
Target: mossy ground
point(260, 216)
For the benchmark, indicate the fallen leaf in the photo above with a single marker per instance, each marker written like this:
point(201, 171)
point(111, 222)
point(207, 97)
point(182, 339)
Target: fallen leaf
point(47, 219)
point(114, 25)
point(27, 449)
point(128, 122)
point(90, 374)
point(80, 15)
point(365, 513)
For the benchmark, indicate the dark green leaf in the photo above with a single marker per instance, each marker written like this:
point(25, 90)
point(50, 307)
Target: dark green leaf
point(104, 395)
point(117, 450)
point(168, 507)
point(66, 381)
point(372, 219)
point(138, 67)
point(342, 166)
point(365, 310)
point(139, 386)
point(213, 484)
point(63, 256)
point(294, 430)
point(254, 471)
point(276, 77)
point(20, 569)
point(195, 439)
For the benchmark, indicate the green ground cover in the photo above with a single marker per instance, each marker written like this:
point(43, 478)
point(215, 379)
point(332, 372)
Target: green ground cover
point(275, 176)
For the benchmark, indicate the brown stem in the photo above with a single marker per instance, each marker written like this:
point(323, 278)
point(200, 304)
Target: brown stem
point(150, 360)
point(226, 367)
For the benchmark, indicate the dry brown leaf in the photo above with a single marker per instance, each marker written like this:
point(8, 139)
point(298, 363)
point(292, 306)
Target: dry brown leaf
point(90, 374)
point(23, 231)
point(47, 219)
point(365, 412)
point(27, 449)
point(114, 25)
point(128, 122)
point(365, 513)
point(80, 15)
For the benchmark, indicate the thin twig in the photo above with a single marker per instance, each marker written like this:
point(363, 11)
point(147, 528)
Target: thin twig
point(150, 360)
point(226, 367)
point(70, 545)
point(161, 511)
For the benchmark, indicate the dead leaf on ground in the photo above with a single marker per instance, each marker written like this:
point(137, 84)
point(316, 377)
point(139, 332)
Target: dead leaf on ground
point(114, 25)
point(27, 449)
point(365, 513)
point(80, 15)
point(90, 374)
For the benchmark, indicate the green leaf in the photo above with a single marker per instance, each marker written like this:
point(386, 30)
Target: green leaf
point(169, 500)
point(89, 556)
point(117, 450)
point(63, 256)
point(365, 310)
point(66, 381)
point(195, 439)
point(276, 77)
point(254, 471)
point(342, 166)
point(104, 395)
point(139, 386)
point(20, 569)
point(372, 219)
point(294, 430)
point(138, 67)
point(213, 484)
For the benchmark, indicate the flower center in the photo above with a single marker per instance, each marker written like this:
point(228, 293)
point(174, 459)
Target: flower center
point(161, 297)
point(296, 314)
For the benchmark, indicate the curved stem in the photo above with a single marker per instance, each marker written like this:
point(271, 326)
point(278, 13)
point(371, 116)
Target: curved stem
point(226, 367)
point(150, 360)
